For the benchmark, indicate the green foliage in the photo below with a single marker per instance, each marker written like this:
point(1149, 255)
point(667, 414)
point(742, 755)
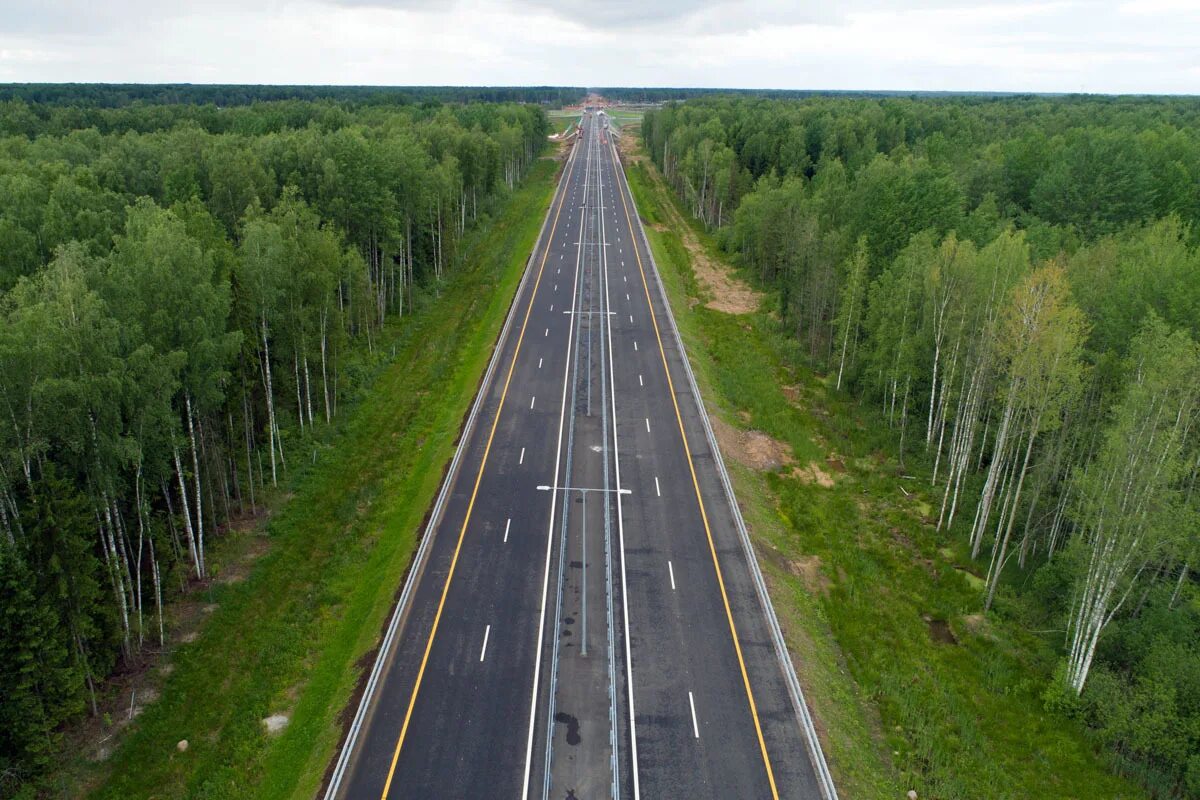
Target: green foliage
point(181, 289)
point(898, 709)
point(1032, 296)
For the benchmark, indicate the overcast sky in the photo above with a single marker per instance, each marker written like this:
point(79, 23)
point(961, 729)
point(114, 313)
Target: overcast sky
point(1074, 45)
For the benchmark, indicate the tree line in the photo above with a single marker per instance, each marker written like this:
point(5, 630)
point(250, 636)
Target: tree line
point(114, 95)
point(181, 307)
point(1014, 284)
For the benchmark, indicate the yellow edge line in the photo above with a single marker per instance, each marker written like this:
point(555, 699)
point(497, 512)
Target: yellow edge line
point(412, 701)
point(762, 744)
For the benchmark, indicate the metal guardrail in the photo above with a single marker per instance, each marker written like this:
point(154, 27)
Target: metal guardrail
point(422, 554)
point(816, 755)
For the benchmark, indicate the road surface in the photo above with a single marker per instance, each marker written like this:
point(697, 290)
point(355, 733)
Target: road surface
point(583, 620)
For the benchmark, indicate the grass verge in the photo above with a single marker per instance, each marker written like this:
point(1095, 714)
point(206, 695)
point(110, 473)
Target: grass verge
point(911, 687)
point(294, 636)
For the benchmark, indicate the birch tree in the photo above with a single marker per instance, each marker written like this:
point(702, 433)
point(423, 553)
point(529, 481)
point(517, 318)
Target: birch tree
point(1130, 498)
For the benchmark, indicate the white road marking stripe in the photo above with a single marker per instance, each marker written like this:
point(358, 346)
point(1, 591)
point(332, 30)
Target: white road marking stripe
point(507, 525)
point(483, 651)
point(647, 424)
point(640, 380)
point(547, 333)
point(539, 363)
point(631, 319)
point(695, 727)
point(552, 306)
point(532, 398)
point(635, 344)
point(537, 664)
point(521, 460)
point(671, 570)
point(657, 490)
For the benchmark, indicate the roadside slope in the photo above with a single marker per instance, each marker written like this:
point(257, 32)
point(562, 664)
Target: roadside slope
point(909, 687)
point(293, 637)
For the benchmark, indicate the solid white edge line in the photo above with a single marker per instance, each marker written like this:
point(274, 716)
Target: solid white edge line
point(483, 651)
point(695, 726)
point(621, 530)
point(562, 416)
point(815, 753)
point(421, 556)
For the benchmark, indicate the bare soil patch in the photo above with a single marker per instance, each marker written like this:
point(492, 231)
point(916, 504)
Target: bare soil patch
point(808, 570)
point(753, 449)
point(813, 474)
point(939, 631)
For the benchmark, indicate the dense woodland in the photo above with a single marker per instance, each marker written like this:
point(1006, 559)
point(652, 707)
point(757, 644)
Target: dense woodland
point(187, 294)
point(1014, 285)
point(114, 95)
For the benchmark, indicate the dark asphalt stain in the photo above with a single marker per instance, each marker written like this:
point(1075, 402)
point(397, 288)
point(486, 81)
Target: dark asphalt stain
point(573, 737)
point(569, 620)
point(576, 565)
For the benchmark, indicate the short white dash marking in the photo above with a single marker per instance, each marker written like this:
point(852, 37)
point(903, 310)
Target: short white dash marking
point(657, 490)
point(631, 318)
point(692, 703)
point(531, 401)
point(547, 333)
point(635, 345)
point(556, 287)
point(552, 306)
point(483, 652)
point(640, 380)
point(627, 295)
point(670, 569)
point(539, 363)
point(508, 525)
point(647, 424)
point(521, 460)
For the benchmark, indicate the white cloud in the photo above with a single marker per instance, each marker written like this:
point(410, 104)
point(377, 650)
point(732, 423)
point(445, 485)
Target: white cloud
point(1090, 45)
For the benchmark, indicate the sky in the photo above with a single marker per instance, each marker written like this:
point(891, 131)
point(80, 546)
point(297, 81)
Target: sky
point(1102, 46)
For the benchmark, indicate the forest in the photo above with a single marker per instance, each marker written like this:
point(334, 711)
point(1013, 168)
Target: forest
point(1012, 286)
point(187, 294)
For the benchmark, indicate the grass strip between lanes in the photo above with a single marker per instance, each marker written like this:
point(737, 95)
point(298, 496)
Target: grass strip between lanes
point(294, 637)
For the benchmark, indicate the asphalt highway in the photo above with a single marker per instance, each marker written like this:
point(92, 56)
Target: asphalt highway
point(583, 620)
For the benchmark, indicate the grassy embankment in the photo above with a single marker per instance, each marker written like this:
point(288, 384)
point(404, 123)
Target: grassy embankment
point(910, 685)
point(293, 636)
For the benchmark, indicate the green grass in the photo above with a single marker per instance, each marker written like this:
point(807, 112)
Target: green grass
point(897, 709)
point(295, 636)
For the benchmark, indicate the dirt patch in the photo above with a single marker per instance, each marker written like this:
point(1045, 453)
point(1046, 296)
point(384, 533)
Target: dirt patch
point(939, 631)
point(808, 570)
point(813, 474)
point(753, 449)
point(236, 570)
